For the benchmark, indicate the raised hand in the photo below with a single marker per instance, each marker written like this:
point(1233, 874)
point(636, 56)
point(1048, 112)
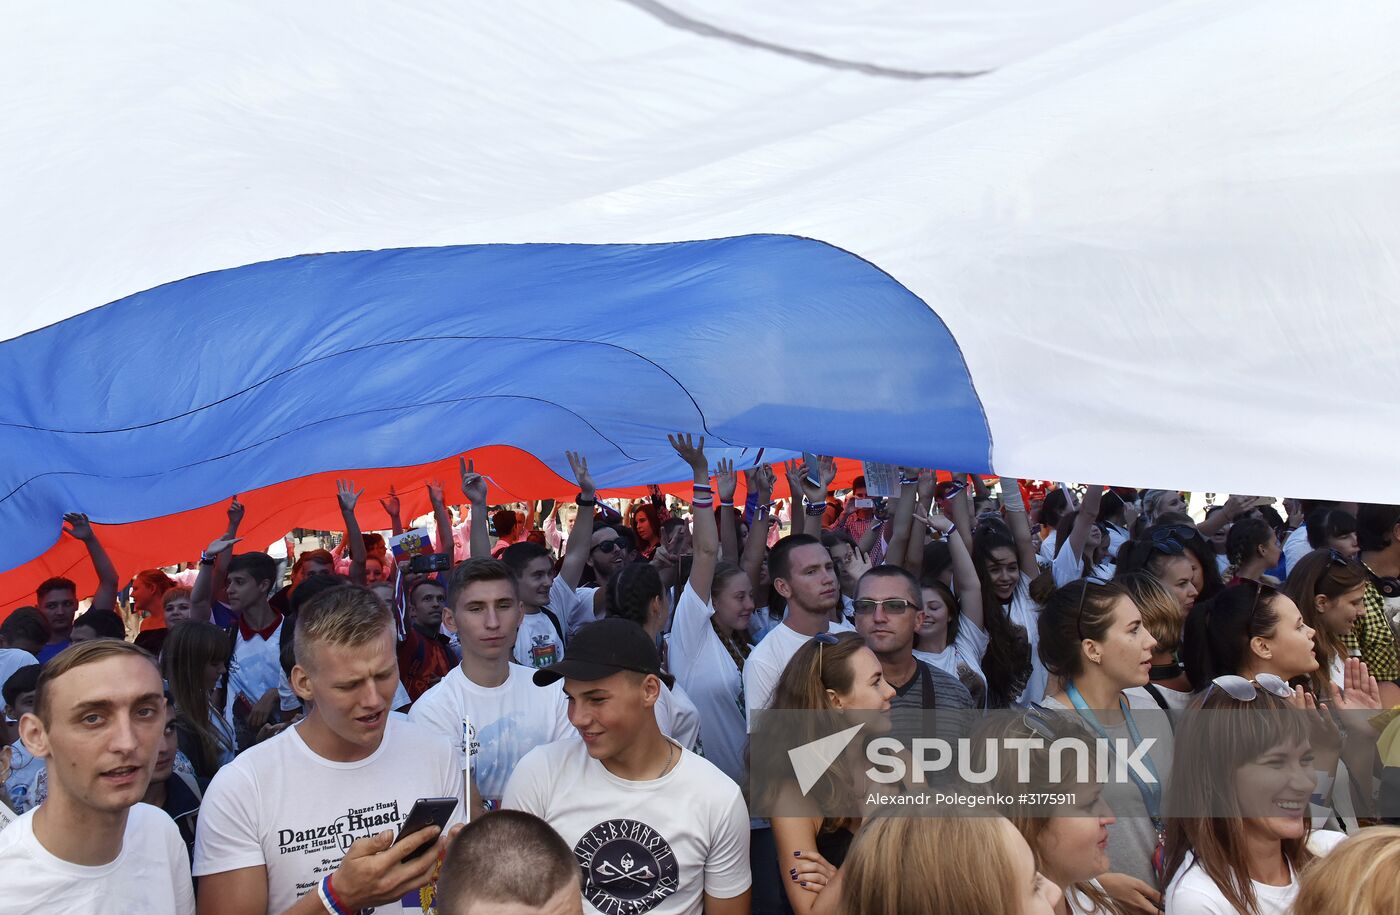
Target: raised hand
point(926, 486)
point(1359, 691)
point(726, 480)
point(79, 526)
point(391, 504)
point(762, 481)
point(235, 513)
point(347, 496)
point(935, 521)
point(579, 465)
point(795, 472)
point(473, 483)
point(692, 452)
point(816, 492)
point(218, 546)
point(435, 488)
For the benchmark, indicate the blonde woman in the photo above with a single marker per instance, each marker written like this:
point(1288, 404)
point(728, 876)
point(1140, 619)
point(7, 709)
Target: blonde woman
point(1357, 878)
point(943, 866)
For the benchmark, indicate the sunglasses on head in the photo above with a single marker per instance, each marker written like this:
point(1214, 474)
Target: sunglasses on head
point(1242, 690)
point(607, 546)
point(1079, 613)
point(1335, 558)
point(896, 606)
point(1165, 540)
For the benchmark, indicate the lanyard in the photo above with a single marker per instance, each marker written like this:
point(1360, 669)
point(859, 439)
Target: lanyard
point(1151, 794)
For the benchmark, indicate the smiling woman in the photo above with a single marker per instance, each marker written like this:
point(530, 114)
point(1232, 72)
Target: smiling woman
point(1239, 832)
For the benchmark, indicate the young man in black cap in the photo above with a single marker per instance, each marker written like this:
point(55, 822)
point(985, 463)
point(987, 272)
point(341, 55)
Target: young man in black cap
point(654, 827)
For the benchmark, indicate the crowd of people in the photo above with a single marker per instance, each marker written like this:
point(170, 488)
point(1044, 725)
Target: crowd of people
point(575, 692)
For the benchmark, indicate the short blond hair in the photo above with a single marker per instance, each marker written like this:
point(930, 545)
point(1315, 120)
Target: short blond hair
point(344, 615)
point(1357, 878)
point(929, 866)
point(80, 655)
point(1161, 614)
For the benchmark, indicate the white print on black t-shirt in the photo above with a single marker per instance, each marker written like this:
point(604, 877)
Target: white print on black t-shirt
point(358, 823)
point(628, 867)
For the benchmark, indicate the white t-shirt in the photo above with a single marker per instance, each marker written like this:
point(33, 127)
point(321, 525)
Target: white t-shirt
point(150, 874)
point(654, 847)
point(279, 805)
point(1047, 547)
point(963, 659)
point(707, 671)
point(1192, 892)
point(678, 718)
point(498, 724)
point(257, 668)
point(580, 612)
point(1025, 612)
point(1295, 547)
point(768, 660)
point(538, 643)
point(26, 787)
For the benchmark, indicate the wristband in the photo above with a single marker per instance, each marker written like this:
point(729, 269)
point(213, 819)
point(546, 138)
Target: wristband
point(206, 560)
point(816, 509)
point(724, 504)
point(330, 900)
point(587, 503)
point(704, 487)
point(907, 481)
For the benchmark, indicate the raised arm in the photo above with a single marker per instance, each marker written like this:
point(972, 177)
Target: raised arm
point(391, 508)
point(105, 597)
point(348, 498)
point(706, 546)
point(761, 481)
point(1020, 525)
point(726, 482)
point(965, 581)
point(899, 552)
point(212, 564)
point(982, 496)
point(1084, 521)
point(814, 490)
point(960, 511)
point(576, 549)
point(474, 488)
point(443, 520)
point(794, 472)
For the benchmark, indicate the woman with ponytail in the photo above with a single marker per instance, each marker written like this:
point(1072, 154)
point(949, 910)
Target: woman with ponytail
point(1251, 548)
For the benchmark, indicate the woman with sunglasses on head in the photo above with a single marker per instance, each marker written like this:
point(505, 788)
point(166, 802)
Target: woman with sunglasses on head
point(1070, 839)
point(834, 673)
point(1252, 549)
point(1238, 831)
point(1205, 570)
point(1093, 639)
point(1164, 556)
point(1330, 591)
point(1005, 560)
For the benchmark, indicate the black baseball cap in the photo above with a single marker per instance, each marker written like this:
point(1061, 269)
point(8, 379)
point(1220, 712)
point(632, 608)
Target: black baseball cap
point(24, 680)
point(602, 649)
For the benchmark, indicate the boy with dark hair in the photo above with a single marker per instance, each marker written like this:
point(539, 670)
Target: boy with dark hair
point(92, 846)
point(27, 783)
point(487, 706)
point(305, 821)
point(24, 630)
point(255, 669)
point(58, 597)
point(509, 862)
point(424, 655)
point(97, 624)
point(654, 828)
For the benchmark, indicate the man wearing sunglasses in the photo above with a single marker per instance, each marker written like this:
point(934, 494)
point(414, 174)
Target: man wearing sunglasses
point(607, 552)
point(888, 613)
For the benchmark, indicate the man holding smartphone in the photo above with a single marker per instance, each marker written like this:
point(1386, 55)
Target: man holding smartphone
point(305, 822)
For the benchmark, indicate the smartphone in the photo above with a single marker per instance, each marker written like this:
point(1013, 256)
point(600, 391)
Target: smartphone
point(427, 811)
point(429, 562)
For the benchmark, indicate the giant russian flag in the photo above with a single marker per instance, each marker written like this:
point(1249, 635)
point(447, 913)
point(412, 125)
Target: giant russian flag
point(246, 248)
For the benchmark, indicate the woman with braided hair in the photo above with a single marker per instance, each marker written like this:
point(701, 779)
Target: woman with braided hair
point(710, 633)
